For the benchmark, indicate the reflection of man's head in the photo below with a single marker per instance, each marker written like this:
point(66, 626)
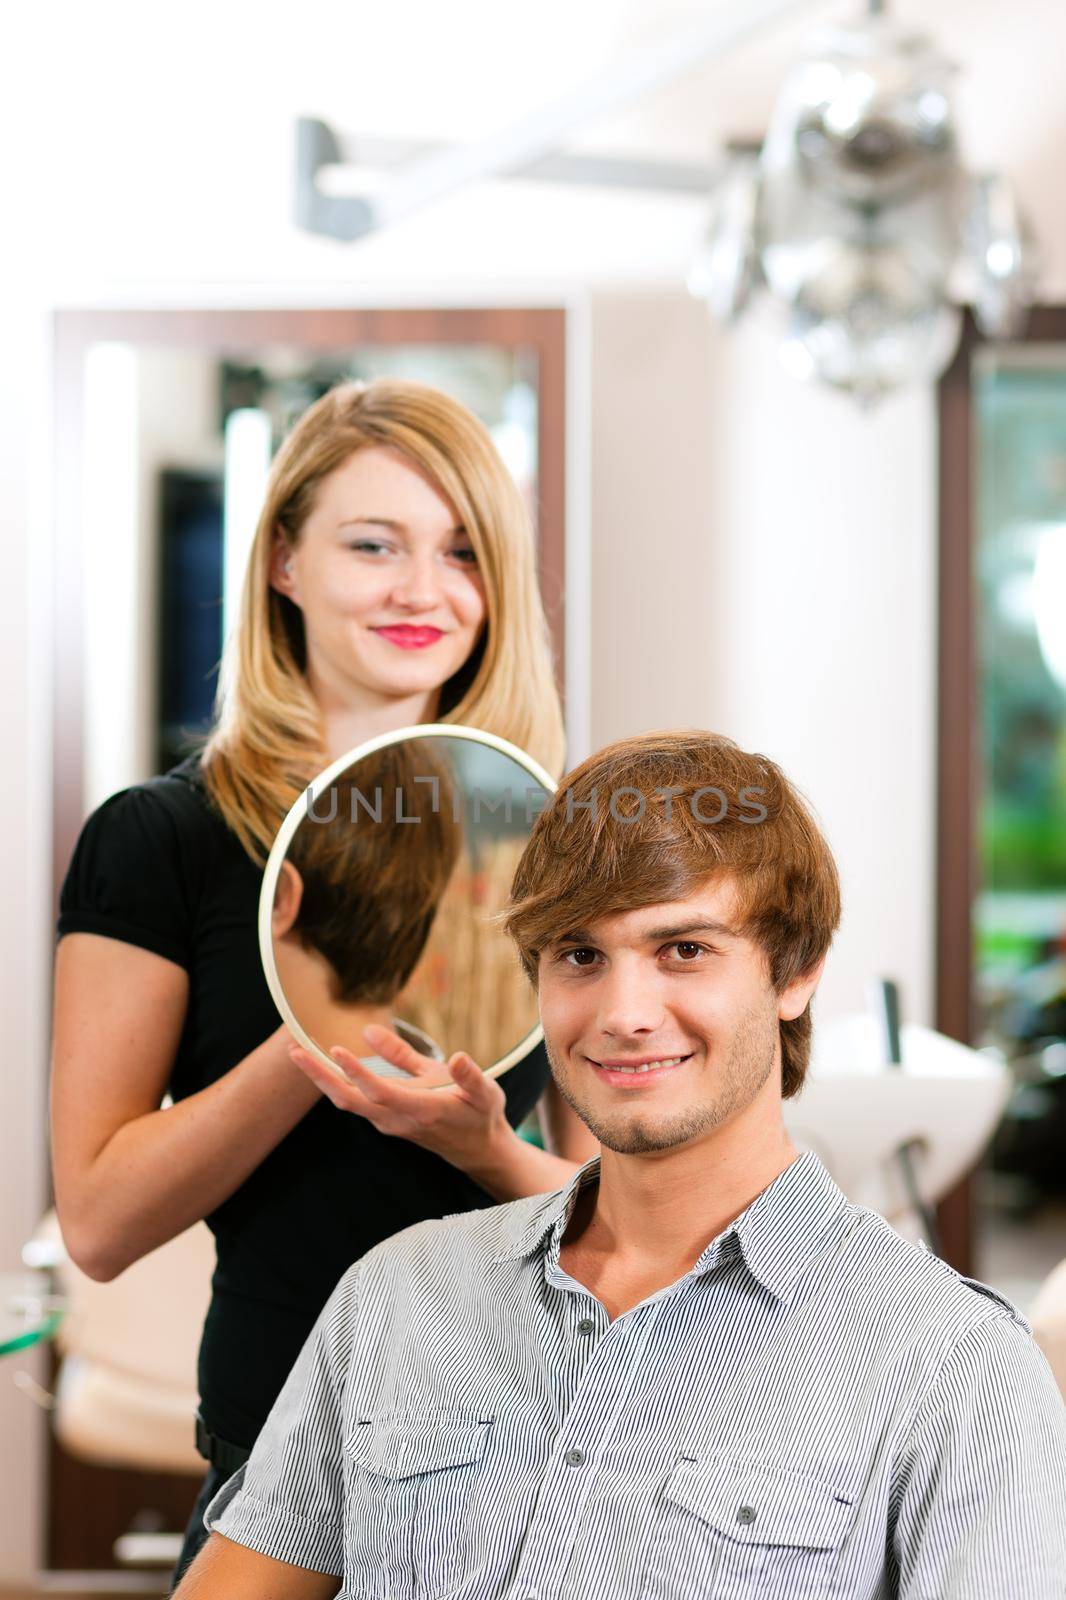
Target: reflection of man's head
point(360, 886)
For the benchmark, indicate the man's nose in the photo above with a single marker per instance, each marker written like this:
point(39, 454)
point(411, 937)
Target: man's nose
point(629, 1002)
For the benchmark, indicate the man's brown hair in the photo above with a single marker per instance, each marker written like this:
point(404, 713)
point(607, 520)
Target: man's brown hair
point(371, 888)
point(647, 820)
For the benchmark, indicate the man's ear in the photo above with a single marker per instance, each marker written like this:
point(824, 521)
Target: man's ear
point(288, 892)
point(793, 1001)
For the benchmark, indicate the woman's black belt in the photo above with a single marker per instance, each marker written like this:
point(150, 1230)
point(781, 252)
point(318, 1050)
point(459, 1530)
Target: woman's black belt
point(221, 1454)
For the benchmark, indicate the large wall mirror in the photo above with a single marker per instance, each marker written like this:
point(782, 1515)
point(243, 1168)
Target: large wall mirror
point(165, 423)
point(1002, 789)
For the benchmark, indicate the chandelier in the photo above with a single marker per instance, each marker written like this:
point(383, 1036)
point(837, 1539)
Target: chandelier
point(861, 223)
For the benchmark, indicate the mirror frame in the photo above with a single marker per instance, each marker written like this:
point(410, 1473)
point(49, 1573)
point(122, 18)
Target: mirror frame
point(87, 1508)
point(298, 812)
point(958, 724)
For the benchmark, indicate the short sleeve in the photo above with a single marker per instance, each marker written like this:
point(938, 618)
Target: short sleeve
point(287, 1501)
point(983, 1507)
point(131, 876)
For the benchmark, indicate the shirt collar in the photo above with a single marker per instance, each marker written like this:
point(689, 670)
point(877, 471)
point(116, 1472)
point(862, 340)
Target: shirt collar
point(779, 1234)
point(412, 1036)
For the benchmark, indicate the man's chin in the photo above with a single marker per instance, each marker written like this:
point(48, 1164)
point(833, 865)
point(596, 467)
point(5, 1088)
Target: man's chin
point(639, 1135)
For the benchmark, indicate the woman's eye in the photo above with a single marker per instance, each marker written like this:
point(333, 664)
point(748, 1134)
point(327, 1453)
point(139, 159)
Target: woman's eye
point(372, 547)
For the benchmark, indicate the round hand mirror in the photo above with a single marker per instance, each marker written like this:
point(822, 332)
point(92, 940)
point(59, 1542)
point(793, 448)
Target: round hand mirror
point(381, 893)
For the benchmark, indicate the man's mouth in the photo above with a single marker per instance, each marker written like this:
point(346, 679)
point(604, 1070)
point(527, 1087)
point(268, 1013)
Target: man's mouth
point(635, 1071)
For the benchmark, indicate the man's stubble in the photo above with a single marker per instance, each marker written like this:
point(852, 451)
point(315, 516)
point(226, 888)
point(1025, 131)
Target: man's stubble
point(748, 1064)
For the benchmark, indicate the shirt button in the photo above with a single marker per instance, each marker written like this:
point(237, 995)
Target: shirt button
point(586, 1325)
point(746, 1514)
point(574, 1458)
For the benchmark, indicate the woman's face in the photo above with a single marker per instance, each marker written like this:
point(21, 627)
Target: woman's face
point(387, 581)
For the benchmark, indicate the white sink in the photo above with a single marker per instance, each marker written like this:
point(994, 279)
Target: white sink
point(854, 1111)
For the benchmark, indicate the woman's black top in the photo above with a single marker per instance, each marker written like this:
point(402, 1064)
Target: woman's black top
point(156, 866)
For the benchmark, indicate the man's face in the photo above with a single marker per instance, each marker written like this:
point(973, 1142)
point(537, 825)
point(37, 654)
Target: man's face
point(669, 981)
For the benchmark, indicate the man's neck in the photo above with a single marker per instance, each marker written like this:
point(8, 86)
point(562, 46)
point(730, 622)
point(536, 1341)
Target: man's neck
point(650, 1217)
point(308, 981)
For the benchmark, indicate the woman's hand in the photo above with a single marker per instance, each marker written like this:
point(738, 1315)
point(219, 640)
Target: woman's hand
point(464, 1122)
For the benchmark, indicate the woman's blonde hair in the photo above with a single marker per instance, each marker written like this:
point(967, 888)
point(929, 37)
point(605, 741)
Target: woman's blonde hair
point(268, 741)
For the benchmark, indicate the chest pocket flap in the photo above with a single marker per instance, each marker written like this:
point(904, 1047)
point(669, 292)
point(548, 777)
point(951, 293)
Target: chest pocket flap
point(402, 1447)
point(760, 1505)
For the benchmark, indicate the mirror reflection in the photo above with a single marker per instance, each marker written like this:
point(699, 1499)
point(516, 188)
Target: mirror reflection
point(383, 904)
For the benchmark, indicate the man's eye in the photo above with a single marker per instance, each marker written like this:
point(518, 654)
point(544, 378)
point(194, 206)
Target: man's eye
point(687, 949)
point(565, 957)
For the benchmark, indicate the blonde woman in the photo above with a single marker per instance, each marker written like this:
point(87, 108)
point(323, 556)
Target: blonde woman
point(391, 582)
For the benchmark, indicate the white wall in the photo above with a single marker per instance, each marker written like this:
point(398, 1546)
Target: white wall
point(824, 638)
point(653, 534)
point(25, 872)
point(763, 563)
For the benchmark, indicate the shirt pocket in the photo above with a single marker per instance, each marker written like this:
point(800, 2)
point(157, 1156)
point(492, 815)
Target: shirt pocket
point(739, 1530)
point(407, 1505)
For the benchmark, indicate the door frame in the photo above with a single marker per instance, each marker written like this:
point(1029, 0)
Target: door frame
point(958, 747)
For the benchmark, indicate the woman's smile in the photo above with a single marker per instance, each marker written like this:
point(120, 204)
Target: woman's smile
point(409, 637)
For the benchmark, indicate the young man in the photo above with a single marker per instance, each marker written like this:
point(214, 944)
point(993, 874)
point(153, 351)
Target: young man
point(697, 1370)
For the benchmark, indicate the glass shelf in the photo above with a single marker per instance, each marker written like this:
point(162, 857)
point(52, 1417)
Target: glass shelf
point(29, 1312)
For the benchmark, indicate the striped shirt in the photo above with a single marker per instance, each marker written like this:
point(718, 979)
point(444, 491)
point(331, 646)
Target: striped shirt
point(817, 1408)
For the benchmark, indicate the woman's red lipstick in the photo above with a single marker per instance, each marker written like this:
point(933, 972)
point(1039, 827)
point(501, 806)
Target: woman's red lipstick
point(411, 638)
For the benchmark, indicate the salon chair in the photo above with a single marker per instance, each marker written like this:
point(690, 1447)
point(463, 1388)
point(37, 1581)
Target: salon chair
point(126, 1392)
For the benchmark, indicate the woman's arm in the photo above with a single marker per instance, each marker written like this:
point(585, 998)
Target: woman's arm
point(511, 1167)
point(128, 1175)
point(464, 1121)
point(562, 1130)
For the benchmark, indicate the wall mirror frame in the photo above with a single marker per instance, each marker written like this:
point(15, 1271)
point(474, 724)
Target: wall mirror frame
point(538, 333)
point(88, 1505)
point(961, 713)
